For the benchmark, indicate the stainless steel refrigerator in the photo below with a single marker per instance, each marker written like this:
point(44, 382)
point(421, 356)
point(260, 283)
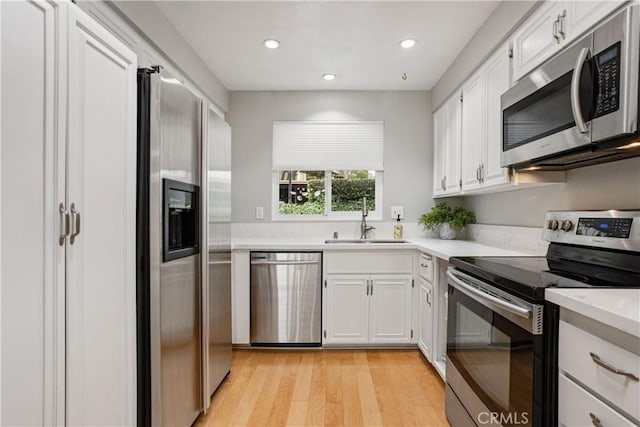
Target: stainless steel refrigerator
point(218, 328)
point(171, 218)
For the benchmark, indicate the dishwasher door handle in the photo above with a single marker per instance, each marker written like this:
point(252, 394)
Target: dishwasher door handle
point(219, 262)
point(284, 262)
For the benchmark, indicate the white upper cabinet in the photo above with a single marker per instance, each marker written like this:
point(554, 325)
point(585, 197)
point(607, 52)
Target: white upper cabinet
point(473, 130)
point(498, 80)
point(447, 122)
point(481, 124)
point(582, 15)
point(552, 26)
point(537, 39)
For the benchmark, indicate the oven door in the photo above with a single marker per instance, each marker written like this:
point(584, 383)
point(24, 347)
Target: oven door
point(494, 354)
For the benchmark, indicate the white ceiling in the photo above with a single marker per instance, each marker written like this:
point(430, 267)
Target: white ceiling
point(357, 40)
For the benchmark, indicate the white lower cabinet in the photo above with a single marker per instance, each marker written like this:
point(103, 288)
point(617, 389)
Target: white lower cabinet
point(425, 334)
point(347, 308)
point(578, 407)
point(68, 219)
point(368, 297)
point(390, 309)
point(599, 369)
point(373, 309)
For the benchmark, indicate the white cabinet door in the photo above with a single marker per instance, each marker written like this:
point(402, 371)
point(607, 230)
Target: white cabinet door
point(439, 149)
point(32, 260)
point(446, 147)
point(498, 81)
point(537, 39)
point(347, 310)
point(473, 130)
point(582, 15)
point(390, 309)
point(101, 334)
point(452, 141)
point(425, 334)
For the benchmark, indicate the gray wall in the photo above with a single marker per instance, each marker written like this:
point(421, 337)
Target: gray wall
point(504, 19)
point(614, 185)
point(408, 146)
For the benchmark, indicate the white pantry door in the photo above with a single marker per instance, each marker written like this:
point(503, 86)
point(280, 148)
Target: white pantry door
point(101, 287)
point(32, 262)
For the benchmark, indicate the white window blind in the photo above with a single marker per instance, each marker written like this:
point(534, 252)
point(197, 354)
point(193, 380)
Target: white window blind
point(328, 145)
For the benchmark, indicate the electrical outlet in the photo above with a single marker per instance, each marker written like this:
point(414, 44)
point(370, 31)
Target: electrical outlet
point(397, 210)
point(259, 212)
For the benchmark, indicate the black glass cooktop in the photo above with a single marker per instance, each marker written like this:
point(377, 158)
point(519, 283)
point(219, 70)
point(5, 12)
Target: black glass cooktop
point(529, 276)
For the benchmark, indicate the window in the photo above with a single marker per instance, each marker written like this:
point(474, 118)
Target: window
point(324, 169)
point(336, 193)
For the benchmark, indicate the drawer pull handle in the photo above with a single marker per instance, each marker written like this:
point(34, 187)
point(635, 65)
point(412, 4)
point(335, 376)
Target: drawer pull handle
point(596, 359)
point(595, 420)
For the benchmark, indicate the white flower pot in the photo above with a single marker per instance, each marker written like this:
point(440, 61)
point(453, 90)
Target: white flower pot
point(446, 232)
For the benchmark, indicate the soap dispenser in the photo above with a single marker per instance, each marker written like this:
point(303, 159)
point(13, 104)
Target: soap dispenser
point(397, 229)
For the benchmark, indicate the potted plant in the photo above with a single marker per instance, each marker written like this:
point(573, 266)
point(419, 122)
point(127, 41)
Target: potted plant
point(447, 220)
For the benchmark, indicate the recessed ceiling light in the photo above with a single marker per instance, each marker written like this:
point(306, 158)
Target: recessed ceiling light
point(271, 43)
point(408, 43)
point(329, 76)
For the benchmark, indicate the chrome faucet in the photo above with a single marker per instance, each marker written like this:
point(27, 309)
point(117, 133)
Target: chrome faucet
point(364, 228)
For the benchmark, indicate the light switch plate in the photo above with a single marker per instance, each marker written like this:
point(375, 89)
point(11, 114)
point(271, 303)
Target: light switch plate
point(259, 212)
point(397, 210)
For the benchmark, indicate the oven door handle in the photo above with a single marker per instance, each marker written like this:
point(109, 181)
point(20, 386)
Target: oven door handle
point(575, 90)
point(512, 308)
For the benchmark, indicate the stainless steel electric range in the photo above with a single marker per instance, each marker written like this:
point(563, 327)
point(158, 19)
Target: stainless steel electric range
point(502, 335)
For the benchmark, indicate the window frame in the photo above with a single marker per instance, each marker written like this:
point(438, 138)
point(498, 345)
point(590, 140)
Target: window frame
point(328, 215)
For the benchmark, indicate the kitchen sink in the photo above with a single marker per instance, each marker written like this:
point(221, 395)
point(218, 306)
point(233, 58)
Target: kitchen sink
point(365, 241)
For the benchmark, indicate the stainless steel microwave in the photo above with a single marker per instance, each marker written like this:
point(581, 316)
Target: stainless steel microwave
point(581, 106)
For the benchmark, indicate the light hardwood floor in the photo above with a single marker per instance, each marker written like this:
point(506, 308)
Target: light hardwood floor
point(328, 388)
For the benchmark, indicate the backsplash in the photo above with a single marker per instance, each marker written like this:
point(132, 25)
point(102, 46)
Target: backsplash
point(522, 239)
point(319, 230)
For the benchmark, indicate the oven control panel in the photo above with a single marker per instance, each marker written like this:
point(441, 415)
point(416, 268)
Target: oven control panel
point(608, 229)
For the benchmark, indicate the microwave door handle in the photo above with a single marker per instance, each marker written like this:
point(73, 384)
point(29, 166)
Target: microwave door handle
point(575, 90)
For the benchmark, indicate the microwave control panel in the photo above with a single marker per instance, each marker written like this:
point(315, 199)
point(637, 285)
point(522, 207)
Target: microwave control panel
point(607, 64)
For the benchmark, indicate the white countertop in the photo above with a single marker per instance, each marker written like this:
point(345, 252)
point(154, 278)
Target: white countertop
point(444, 249)
point(618, 308)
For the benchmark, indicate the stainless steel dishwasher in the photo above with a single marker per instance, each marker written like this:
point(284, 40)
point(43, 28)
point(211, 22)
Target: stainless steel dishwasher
point(286, 298)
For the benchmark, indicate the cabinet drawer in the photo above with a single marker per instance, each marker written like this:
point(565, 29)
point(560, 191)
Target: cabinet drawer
point(578, 407)
point(425, 267)
point(576, 347)
point(368, 262)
